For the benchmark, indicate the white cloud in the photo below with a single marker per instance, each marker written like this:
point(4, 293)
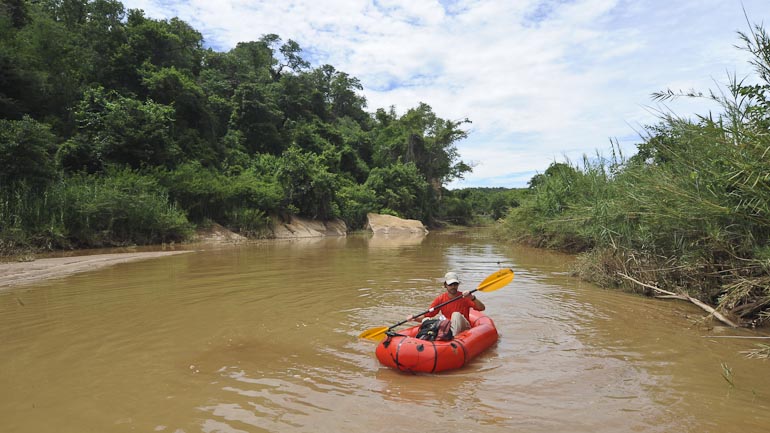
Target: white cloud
point(541, 80)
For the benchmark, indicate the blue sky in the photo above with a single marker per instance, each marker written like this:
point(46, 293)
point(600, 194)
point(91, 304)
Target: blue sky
point(542, 81)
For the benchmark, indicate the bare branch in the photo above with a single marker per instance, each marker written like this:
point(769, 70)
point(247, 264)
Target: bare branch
point(685, 297)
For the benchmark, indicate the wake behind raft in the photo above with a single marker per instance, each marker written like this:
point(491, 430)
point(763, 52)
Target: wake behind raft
point(404, 352)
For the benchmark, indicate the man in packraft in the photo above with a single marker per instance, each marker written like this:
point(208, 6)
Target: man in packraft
point(458, 311)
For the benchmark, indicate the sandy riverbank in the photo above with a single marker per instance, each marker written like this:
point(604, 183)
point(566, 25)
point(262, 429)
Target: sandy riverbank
point(14, 274)
point(21, 273)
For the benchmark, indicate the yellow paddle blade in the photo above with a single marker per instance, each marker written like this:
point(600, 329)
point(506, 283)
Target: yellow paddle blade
point(496, 281)
point(374, 334)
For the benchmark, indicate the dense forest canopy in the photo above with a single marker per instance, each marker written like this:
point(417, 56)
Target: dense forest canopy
point(119, 128)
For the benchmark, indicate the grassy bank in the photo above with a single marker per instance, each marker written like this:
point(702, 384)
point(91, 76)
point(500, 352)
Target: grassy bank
point(87, 211)
point(689, 212)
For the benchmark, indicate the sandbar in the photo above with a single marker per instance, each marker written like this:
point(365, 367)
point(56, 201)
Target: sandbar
point(21, 273)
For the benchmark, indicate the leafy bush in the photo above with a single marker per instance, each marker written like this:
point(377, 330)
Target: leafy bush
point(119, 130)
point(249, 222)
point(26, 149)
point(209, 194)
point(308, 185)
point(121, 208)
point(355, 201)
point(401, 188)
point(456, 211)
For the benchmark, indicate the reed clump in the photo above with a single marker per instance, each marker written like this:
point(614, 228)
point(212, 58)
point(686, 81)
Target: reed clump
point(689, 212)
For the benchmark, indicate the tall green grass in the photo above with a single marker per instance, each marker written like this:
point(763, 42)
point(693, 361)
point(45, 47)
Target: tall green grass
point(694, 218)
point(690, 212)
point(121, 208)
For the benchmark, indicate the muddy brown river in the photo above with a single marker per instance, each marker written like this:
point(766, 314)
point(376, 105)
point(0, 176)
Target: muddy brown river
point(263, 338)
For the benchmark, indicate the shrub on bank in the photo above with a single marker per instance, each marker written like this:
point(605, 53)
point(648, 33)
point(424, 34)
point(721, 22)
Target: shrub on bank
point(121, 208)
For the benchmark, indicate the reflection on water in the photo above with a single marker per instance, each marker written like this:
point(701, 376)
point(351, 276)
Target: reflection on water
point(381, 240)
point(262, 337)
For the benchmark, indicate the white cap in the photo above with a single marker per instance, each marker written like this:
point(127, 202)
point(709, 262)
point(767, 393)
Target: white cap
point(451, 278)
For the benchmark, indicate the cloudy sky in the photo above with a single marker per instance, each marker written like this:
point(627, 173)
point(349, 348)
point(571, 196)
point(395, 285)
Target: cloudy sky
point(541, 80)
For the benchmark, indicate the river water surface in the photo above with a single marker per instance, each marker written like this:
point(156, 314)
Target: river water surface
point(263, 338)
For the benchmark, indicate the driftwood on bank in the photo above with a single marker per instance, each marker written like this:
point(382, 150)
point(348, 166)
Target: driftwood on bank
point(671, 295)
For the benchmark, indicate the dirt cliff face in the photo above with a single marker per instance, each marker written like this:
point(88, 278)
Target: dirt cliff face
point(297, 227)
point(217, 234)
point(388, 224)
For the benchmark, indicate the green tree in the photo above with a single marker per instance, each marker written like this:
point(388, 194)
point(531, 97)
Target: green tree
point(258, 117)
point(113, 129)
point(336, 95)
point(290, 53)
point(195, 125)
point(355, 202)
point(400, 188)
point(309, 188)
point(104, 32)
point(26, 153)
point(249, 62)
point(420, 137)
point(161, 43)
point(15, 11)
point(43, 66)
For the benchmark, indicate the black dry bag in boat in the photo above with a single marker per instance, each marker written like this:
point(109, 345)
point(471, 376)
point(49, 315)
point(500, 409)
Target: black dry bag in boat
point(435, 329)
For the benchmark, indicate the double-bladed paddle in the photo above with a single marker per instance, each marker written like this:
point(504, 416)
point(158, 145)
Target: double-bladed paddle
point(495, 281)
